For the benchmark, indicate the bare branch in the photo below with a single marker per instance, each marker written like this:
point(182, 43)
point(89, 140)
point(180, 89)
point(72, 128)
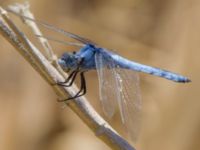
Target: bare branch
point(23, 10)
point(80, 105)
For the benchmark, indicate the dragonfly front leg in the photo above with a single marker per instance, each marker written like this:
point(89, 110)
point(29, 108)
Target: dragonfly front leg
point(82, 90)
point(72, 76)
point(70, 80)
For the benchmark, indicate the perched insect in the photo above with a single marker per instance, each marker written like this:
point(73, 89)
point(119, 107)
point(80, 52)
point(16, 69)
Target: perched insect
point(118, 77)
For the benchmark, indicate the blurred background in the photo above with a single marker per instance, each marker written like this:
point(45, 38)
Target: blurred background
point(160, 33)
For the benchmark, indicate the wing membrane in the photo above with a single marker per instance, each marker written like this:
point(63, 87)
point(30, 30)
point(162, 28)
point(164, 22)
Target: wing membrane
point(130, 101)
point(106, 84)
point(121, 87)
point(53, 28)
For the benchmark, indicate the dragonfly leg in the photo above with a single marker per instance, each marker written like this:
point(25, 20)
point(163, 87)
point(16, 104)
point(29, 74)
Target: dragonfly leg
point(82, 90)
point(69, 80)
point(72, 76)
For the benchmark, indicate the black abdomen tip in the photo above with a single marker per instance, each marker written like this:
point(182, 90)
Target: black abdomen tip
point(186, 80)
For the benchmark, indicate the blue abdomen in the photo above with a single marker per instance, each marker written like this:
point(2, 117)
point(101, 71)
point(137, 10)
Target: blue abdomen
point(127, 64)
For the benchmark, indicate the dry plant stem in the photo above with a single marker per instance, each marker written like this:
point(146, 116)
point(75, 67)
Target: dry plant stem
point(37, 31)
point(44, 42)
point(23, 9)
point(80, 106)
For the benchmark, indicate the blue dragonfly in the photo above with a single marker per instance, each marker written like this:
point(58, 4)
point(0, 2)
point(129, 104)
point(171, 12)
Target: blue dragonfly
point(118, 77)
point(118, 80)
point(93, 57)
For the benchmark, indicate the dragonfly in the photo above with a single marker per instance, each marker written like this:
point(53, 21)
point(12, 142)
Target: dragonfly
point(118, 77)
point(118, 80)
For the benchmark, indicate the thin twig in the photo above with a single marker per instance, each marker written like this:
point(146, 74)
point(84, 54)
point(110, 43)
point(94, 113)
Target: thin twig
point(80, 105)
point(24, 10)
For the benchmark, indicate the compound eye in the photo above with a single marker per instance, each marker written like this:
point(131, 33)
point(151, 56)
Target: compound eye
point(74, 52)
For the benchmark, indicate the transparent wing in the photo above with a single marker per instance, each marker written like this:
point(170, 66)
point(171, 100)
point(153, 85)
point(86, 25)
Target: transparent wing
point(53, 28)
point(130, 100)
point(61, 42)
point(106, 84)
point(121, 87)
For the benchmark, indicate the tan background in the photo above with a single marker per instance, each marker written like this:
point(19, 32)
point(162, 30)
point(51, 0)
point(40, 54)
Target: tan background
point(161, 33)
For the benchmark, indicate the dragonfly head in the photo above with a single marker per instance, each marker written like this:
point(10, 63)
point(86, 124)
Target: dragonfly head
point(68, 61)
